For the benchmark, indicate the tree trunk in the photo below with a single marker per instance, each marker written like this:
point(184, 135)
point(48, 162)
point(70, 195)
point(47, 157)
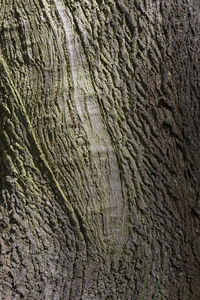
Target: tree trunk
point(99, 142)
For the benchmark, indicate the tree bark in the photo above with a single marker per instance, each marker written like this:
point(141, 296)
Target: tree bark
point(99, 149)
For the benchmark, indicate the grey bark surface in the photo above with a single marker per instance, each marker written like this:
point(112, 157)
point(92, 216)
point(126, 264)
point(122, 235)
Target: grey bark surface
point(99, 149)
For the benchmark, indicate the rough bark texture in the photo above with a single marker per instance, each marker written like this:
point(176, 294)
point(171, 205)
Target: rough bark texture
point(99, 149)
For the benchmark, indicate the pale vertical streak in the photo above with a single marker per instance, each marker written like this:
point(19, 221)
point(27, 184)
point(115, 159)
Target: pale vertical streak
point(99, 139)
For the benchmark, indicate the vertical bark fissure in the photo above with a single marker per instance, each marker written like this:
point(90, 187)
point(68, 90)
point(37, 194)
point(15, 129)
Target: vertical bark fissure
point(91, 119)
